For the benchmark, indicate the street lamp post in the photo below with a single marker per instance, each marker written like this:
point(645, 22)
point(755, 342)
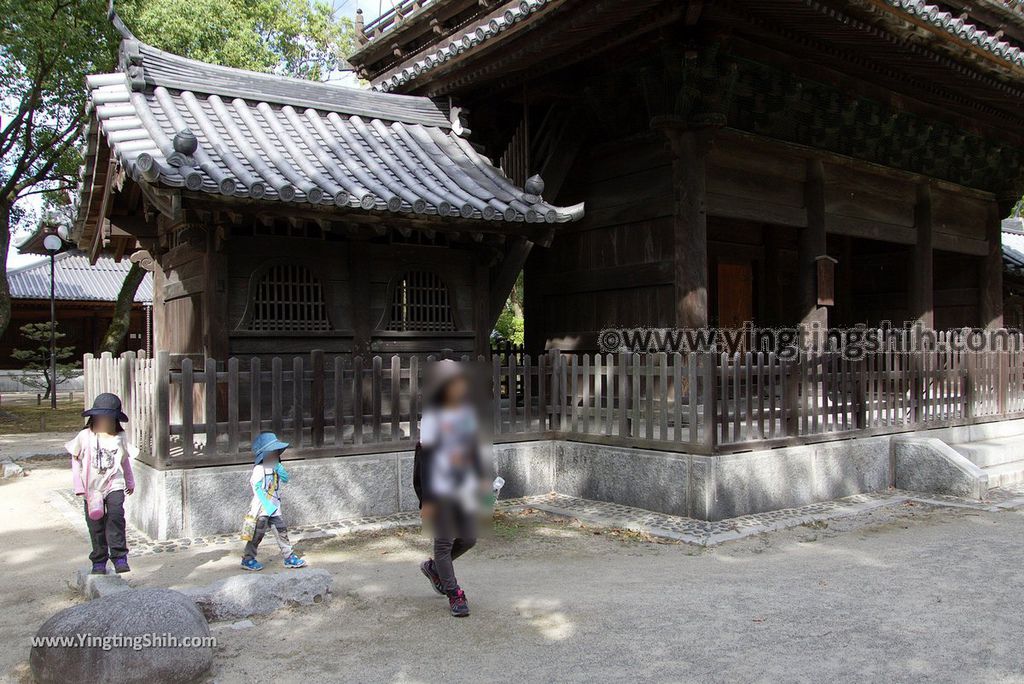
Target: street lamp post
point(53, 244)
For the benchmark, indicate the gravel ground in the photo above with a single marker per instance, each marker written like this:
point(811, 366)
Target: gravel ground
point(911, 593)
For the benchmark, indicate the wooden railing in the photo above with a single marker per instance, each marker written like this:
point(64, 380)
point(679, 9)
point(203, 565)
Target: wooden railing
point(388, 19)
point(195, 415)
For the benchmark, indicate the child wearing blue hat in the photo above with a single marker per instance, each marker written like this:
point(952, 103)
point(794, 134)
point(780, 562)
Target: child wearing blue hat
point(268, 474)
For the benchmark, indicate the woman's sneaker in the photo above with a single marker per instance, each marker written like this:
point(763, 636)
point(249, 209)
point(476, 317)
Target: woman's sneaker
point(251, 564)
point(427, 568)
point(99, 568)
point(294, 561)
point(121, 565)
point(457, 603)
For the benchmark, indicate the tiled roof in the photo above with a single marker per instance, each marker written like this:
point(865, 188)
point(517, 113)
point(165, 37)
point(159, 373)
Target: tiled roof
point(470, 39)
point(519, 11)
point(186, 124)
point(961, 28)
point(1013, 245)
point(75, 279)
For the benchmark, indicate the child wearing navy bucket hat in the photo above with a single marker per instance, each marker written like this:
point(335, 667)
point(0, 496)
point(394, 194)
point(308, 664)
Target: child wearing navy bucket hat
point(101, 472)
point(268, 474)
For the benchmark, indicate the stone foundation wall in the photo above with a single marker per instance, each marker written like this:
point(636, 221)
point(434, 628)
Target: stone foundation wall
point(202, 501)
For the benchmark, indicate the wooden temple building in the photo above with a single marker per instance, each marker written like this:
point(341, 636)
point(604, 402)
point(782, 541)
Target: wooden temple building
point(771, 161)
point(724, 148)
point(279, 215)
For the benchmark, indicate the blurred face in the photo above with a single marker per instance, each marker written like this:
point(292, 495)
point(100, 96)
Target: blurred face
point(104, 424)
point(272, 458)
point(456, 391)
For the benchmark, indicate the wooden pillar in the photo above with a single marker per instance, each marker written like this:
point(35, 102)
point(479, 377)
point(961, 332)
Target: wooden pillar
point(160, 337)
point(990, 283)
point(812, 245)
point(689, 147)
point(215, 298)
point(922, 288)
point(359, 291)
point(482, 320)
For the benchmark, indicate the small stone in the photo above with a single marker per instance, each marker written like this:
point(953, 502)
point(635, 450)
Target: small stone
point(11, 469)
point(97, 586)
point(242, 624)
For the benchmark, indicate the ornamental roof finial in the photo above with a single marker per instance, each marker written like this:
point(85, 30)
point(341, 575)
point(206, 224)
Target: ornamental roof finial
point(118, 24)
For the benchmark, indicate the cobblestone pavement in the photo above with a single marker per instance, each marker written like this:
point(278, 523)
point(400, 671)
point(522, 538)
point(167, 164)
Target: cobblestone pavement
point(141, 545)
point(597, 513)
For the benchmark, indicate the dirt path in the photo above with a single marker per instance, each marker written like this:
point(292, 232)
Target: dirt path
point(902, 594)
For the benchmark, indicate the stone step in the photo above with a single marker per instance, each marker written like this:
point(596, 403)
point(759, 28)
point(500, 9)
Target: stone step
point(1005, 474)
point(992, 452)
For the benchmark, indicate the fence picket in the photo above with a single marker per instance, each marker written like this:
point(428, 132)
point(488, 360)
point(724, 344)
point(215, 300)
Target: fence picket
point(210, 414)
point(723, 402)
point(298, 412)
point(357, 400)
point(414, 398)
point(317, 400)
point(396, 398)
point(375, 389)
point(233, 401)
point(255, 407)
point(187, 415)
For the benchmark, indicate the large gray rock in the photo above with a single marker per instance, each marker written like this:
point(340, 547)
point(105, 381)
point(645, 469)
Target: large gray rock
point(242, 596)
point(125, 637)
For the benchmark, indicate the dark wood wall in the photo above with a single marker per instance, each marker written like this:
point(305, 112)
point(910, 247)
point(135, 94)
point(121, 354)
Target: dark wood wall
point(615, 267)
point(205, 296)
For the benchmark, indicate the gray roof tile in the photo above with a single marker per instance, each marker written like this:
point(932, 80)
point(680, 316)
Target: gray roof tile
point(283, 139)
point(75, 279)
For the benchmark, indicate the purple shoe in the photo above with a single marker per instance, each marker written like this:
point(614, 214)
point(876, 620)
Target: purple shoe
point(458, 604)
point(121, 565)
point(99, 568)
point(427, 568)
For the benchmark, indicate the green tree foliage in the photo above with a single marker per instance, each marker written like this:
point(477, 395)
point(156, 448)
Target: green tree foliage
point(292, 37)
point(37, 358)
point(48, 47)
point(510, 326)
point(117, 331)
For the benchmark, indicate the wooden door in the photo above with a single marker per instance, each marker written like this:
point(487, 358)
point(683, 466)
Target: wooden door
point(735, 294)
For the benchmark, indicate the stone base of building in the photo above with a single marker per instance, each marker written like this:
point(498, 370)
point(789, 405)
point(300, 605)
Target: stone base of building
point(205, 501)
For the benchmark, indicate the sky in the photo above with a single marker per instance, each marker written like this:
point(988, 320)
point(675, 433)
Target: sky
point(371, 10)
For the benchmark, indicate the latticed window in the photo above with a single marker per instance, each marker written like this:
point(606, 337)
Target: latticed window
point(289, 297)
point(420, 303)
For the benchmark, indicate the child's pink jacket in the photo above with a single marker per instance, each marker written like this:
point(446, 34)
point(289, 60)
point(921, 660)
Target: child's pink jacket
point(81, 466)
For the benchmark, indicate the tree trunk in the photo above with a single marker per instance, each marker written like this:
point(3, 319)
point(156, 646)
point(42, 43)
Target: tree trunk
point(5, 245)
point(114, 338)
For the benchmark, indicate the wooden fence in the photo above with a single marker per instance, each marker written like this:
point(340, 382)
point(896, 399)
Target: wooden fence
point(194, 415)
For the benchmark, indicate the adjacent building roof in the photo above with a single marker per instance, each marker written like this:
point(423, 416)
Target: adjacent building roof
point(961, 28)
point(76, 280)
point(181, 123)
point(1013, 246)
point(507, 14)
point(474, 35)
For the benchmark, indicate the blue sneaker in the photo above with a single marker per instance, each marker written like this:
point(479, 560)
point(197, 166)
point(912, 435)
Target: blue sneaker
point(251, 564)
point(294, 561)
point(99, 568)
